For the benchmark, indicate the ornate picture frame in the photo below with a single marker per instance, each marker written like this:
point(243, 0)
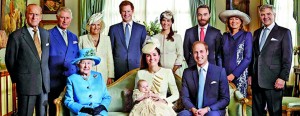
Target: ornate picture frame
point(48, 24)
point(51, 6)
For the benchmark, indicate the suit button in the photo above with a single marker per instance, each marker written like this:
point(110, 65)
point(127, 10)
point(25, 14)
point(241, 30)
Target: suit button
point(88, 87)
point(90, 96)
point(90, 104)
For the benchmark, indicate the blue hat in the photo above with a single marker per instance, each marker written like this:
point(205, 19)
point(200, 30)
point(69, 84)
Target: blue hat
point(87, 53)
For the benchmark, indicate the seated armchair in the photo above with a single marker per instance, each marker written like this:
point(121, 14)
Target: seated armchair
point(238, 103)
point(120, 91)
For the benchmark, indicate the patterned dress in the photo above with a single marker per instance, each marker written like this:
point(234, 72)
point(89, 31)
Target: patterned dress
point(236, 57)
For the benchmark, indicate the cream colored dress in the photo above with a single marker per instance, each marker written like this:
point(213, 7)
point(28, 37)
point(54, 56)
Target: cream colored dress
point(148, 107)
point(171, 52)
point(103, 50)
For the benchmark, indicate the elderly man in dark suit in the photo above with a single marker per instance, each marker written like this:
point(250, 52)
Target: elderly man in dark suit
point(127, 39)
point(26, 59)
point(202, 32)
point(63, 49)
point(271, 63)
point(205, 88)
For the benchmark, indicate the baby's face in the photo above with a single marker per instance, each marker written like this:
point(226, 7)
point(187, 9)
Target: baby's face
point(143, 86)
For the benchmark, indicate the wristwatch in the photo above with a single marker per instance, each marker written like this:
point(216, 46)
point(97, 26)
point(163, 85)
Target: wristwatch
point(208, 109)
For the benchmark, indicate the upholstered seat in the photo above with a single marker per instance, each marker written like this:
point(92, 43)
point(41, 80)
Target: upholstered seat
point(237, 105)
point(290, 104)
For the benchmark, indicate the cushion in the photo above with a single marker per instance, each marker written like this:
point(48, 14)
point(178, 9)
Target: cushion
point(128, 102)
point(291, 102)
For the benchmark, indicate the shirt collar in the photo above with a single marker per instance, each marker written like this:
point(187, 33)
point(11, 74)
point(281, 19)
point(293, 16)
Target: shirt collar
point(205, 27)
point(205, 67)
point(130, 23)
point(270, 27)
point(237, 35)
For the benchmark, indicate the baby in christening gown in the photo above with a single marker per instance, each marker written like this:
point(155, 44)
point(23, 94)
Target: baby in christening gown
point(147, 103)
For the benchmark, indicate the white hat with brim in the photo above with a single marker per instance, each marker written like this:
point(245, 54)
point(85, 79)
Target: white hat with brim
point(223, 16)
point(150, 45)
point(87, 54)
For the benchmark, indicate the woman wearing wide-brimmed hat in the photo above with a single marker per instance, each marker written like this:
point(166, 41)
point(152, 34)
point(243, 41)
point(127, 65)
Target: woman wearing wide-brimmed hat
point(102, 45)
point(236, 48)
point(86, 92)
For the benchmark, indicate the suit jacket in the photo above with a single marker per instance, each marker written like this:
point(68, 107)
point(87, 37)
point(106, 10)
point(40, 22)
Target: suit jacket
point(126, 59)
point(61, 56)
point(212, 39)
point(216, 89)
point(274, 60)
point(86, 93)
point(27, 70)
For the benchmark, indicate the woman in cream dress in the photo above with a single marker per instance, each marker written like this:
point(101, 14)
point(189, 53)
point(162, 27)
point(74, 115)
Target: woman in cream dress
point(171, 46)
point(101, 43)
point(160, 79)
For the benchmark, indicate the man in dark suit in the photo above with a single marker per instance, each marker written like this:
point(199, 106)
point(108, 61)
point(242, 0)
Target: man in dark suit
point(26, 58)
point(271, 63)
point(205, 88)
point(202, 32)
point(127, 39)
point(63, 49)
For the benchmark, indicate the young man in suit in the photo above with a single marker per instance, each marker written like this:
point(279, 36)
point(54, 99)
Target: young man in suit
point(63, 49)
point(26, 59)
point(127, 39)
point(202, 32)
point(271, 64)
point(205, 88)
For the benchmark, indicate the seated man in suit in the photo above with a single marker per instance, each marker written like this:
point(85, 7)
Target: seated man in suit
point(210, 84)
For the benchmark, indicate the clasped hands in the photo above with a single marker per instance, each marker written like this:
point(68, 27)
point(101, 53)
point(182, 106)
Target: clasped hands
point(92, 111)
point(155, 97)
point(199, 112)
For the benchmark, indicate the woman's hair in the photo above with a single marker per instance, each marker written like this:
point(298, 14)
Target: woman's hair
point(144, 64)
point(162, 16)
point(228, 25)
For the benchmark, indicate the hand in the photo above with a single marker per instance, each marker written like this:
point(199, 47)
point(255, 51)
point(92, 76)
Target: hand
point(202, 111)
point(249, 80)
point(279, 84)
point(87, 110)
point(230, 77)
point(109, 81)
point(98, 109)
point(194, 111)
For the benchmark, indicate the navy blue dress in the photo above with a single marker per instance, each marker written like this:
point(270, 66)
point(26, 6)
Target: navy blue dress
point(236, 57)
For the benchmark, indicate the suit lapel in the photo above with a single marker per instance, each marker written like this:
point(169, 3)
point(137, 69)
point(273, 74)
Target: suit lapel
point(196, 77)
point(43, 36)
point(59, 38)
point(271, 35)
point(209, 76)
point(256, 42)
point(122, 34)
point(29, 40)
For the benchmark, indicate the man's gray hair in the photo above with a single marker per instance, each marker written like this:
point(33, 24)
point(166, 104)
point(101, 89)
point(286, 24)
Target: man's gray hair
point(263, 7)
point(65, 9)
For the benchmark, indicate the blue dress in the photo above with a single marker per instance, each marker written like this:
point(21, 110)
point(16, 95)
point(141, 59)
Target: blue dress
point(236, 57)
point(90, 92)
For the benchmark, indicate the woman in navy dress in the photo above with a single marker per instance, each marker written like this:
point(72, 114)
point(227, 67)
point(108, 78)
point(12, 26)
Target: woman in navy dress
point(236, 48)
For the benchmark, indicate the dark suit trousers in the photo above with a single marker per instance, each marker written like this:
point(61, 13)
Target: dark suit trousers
point(211, 113)
point(26, 104)
point(272, 97)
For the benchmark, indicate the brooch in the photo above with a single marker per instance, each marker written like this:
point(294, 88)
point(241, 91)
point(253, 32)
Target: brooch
point(95, 75)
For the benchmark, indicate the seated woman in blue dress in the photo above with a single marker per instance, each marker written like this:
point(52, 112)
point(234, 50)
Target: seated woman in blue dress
point(86, 92)
point(236, 48)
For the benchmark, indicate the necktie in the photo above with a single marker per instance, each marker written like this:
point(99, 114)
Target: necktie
point(65, 36)
point(37, 42)
point(201, 88)
point(263, 39)
point(202, 34)
point(127, 35)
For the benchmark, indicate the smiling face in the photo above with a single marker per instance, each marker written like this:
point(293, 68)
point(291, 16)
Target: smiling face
point(152, 58)
point(203, 16)
point(166, 24)
point(143, 86)
point(33, 15)
point(126, 13)
point(235, 22)
point(95, 28)
point(200, 53)
point(64, 19)
point(85, 67)
point(267, 16)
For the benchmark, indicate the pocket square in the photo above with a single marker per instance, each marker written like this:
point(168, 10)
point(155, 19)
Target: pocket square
point(47, 44)
point(75, 42)
point(273, 39)
point(213, 82)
